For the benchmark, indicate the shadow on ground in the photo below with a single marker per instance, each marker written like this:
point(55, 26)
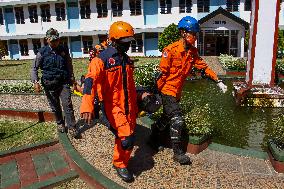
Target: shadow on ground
point(143, 156)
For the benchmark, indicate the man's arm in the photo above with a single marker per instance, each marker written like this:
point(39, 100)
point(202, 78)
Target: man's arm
point(34, 72)
point(200, 64)
point(35, 67)
point(93, 77)
point(164, 68)
point(69, 67)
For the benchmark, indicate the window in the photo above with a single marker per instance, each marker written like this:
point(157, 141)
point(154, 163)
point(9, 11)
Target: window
point(135, 7)
point(3, 49)
point(1, 17)
point(248, 5)
point(137, 45)
point(102, 8)
point(24, 47)
point(185, 6)
point(203, 5)
point(36, 45)
point(45, 13)
point(234, 43)
point(64, 41)
point(33, 14)
point(102, 38)
point(60, 11)
point(19, 14)
point(233, 5)
point(85, 10)
point(116, 6)
point(166, 6)
point(87, 44)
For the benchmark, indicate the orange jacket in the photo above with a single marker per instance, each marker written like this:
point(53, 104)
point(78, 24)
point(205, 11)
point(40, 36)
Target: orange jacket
point(117, 86)
point(176, 65)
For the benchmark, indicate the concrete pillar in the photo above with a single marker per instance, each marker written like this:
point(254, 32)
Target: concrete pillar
point(259, 89)
point(263, 42)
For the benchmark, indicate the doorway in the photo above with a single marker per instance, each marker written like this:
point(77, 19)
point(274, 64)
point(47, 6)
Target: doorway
point(222, 45)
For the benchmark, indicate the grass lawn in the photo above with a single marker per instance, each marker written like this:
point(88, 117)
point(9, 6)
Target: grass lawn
point(20, 69)
point(15, 133)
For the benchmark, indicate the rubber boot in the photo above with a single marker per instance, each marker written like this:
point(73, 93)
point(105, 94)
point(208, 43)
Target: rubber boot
point(179, 155)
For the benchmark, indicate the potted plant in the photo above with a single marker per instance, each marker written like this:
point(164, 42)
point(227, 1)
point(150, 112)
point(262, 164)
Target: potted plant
point(276, 145)
point(198, 128)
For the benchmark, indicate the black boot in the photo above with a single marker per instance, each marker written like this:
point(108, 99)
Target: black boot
point(124, 174)
point(179, 154)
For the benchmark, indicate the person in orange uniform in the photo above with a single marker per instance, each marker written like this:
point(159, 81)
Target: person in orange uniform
point(113, 70)
point(176, 63)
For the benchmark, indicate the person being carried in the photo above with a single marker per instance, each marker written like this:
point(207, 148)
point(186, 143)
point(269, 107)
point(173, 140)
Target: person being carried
point(177, 61)
point(57, 77)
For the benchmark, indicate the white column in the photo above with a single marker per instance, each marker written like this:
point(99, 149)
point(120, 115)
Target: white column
point(263, 42)
point(194, 9)
point(242, 47)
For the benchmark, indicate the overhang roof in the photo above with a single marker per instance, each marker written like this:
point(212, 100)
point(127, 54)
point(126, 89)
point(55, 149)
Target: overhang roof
point(224, 12)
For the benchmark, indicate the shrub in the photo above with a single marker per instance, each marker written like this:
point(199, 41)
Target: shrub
point(278, 131)
point(196, 117)
point(23, 87)
point(232, 63)
point(170, 34)
point(145, 75)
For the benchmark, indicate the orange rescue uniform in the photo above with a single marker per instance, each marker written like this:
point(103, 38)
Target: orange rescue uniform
point(176, 64)
point(114, 73)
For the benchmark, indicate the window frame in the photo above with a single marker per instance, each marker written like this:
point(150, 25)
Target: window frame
point(135, 7)
point(85, 9)
point(166, 6)
point(185, 6)
point(117, 8)
point(45, 13)
point(203, 6)
point(33, 13)
point(1, 17)
point(137, 45)
point(24, 48)
point(36, 45)
point(102, 10)
point(233, 5)
point(87, 44)
point(60, 11)
point(247, 5)
point(19, 15)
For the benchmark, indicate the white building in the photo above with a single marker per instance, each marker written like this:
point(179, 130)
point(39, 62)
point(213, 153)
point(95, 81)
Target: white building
point(81, 23)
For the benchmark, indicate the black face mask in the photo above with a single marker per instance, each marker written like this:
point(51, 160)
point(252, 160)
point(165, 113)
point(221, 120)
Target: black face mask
point(122, 47)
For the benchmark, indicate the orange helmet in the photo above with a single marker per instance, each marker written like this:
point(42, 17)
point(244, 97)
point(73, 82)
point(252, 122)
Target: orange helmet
point(120, 30)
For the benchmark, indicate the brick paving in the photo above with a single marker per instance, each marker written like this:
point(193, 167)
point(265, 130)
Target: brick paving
point(28, 168)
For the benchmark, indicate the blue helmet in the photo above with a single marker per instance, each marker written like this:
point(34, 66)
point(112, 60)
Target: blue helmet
point(189, 23)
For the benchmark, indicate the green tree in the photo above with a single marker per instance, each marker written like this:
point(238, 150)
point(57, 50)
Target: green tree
point(170, 34)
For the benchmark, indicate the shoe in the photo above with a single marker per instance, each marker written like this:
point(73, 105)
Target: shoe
point(182, 159)
point(124, 174)
point(61, 128)
point(74, 132)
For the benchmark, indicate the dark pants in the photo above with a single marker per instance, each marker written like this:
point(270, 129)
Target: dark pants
point(171, 122)
point(62, 93)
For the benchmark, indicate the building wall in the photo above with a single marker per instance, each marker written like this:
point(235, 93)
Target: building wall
point(101, 25)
